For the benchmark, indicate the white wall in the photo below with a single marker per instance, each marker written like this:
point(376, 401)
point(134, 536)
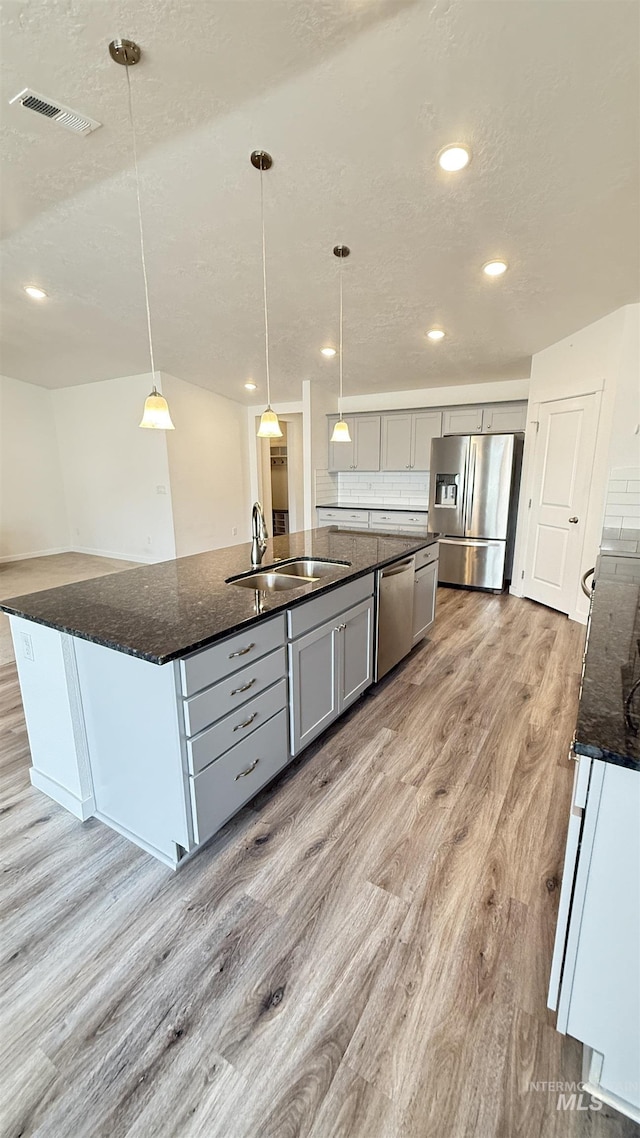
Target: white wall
point(208, 468)
point(599, 358)
point(33, 517)
point(116, 477)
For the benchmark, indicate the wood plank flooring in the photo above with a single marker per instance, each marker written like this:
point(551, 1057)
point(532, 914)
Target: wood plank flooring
point(362, 953)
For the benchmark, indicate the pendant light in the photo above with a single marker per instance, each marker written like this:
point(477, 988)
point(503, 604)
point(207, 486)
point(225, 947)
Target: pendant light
point(341, 429)
point(269, 426)
point(156, 411)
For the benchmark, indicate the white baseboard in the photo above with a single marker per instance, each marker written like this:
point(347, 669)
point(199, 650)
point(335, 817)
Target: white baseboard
point(82, 809)
point(147, 559)
point(34, 553)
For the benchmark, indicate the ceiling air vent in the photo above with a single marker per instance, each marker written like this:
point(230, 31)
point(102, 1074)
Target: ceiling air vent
point(57, 112)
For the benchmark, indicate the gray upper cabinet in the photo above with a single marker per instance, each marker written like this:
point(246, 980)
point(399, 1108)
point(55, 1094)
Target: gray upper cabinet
point(509, 417)
point(462, 421)
point(406, 439)
point(503, 417)
point(363, 452)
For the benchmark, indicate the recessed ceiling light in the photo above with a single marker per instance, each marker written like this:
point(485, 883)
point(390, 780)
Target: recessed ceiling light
point(328, 352)
point(34, 292)
point(494, 268)
point(454, 158)
point(436, 334)
point(251, 386)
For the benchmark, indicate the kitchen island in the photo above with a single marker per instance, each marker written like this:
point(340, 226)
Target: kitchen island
point(595, 980)
point(131, 682)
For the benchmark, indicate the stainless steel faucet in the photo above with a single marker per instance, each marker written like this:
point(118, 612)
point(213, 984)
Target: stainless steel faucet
point(259, 535)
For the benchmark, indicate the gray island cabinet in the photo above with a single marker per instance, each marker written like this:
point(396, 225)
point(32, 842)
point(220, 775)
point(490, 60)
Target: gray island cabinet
point(160, 700)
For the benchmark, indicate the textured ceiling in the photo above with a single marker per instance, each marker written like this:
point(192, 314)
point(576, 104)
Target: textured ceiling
point(354, 100)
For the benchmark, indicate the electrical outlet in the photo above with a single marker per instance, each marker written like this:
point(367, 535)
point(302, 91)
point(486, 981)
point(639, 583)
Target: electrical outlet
point(27, 646)
point(234, 531)
point(148, 541)
point(161, 489)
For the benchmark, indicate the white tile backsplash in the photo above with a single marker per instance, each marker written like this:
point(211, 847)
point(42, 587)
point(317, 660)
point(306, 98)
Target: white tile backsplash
point(385, 488)
point(622, 510)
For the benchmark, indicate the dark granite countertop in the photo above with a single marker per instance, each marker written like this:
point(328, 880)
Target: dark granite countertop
point(612, 666)
point(373, 506)
point(160, 612)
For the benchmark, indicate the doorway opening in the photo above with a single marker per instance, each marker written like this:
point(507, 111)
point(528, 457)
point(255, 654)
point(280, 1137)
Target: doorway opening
point(280, 477)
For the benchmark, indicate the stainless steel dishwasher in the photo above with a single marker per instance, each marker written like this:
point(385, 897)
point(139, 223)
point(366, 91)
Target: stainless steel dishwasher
point(395, 614)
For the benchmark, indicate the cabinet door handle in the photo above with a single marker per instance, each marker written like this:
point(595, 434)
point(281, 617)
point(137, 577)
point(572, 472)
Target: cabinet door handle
point(242, 651)
point(245, 687)
point(243, 774)
point(246, 722)
point(407, 466)
point(573, 521)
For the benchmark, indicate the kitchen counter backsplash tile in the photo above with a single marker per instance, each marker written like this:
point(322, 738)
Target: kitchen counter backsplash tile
point(375, 489)
point(622, 511)
point(160, 612)
point(608, 725)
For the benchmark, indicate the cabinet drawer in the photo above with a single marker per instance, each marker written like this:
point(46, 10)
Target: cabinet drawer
point(342, 516)
point(217, 662)
point(215, 702)
point(400, 518)
point(328, 606)
point(220, 790)
point(239, 725)
point(426, 556)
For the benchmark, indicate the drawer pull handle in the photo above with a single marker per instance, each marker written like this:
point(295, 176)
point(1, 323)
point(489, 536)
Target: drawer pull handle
point(242, 651)
point(243, 774)
point(245, 687)
point(246, 722)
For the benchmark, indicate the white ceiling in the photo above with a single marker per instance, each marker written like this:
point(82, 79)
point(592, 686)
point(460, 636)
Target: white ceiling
point(354, 99)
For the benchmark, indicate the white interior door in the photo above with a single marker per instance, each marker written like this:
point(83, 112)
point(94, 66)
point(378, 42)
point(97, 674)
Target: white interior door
point(562, 464)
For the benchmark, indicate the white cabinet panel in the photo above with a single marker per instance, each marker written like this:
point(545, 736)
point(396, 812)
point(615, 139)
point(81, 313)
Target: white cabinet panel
point(462, 421)
point(363, 452)
point(396, 442)
point(512, 417)
point(427, 425)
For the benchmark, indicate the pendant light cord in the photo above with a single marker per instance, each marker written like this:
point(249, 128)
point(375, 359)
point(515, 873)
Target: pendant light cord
point(340, 398)
point(142, 254)
point(264, 289)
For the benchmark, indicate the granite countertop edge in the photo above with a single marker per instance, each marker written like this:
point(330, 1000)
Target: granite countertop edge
point(369, 506)
point(606, 756)
point(321, 587)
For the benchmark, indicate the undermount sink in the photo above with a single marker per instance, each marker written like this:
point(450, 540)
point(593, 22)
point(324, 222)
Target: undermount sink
point(312, 568)
point(292, 575)
point(272, 581)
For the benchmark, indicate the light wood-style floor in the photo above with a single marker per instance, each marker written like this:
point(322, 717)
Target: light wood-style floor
point(37, 573)
point(363, 953)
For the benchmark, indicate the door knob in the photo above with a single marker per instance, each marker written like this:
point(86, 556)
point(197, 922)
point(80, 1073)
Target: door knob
point(573, 521)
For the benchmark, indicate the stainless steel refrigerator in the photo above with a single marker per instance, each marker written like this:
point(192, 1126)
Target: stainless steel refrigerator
point(473, 501)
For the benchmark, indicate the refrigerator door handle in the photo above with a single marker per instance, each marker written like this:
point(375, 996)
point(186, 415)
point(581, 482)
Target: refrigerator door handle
point(470, 480)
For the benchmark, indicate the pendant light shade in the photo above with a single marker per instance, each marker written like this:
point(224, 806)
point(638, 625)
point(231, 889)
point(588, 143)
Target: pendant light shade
point(269, 426)
point(341, 430)
point(156, 413)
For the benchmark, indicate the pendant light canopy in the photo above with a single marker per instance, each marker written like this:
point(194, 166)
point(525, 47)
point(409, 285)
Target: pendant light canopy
point(341, 429)
point(269, 426)
point(156, 411)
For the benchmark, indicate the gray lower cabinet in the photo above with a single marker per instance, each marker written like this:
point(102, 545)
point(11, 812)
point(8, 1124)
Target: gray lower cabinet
point(329, 668)
point(233, 779)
